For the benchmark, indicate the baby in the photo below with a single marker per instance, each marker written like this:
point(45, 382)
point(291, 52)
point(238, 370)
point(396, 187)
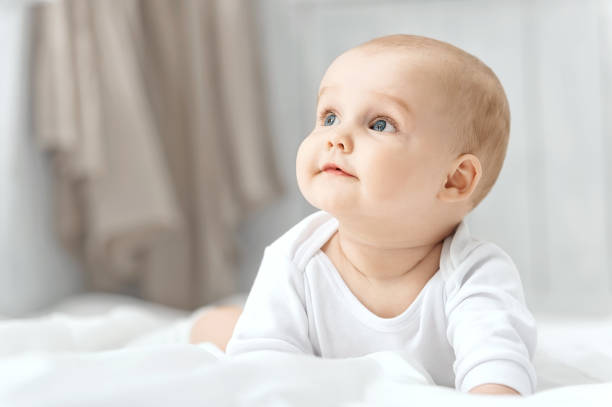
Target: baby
point(411, 134)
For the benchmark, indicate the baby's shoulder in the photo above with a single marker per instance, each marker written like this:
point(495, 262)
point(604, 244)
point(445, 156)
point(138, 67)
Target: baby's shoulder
point(466, 258)
point(304, 239)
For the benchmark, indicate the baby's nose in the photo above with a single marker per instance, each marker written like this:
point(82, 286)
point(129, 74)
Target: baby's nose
point(337, 144)
point(341, 142)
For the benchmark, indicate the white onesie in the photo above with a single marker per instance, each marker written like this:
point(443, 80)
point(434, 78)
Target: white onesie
point(468, 326)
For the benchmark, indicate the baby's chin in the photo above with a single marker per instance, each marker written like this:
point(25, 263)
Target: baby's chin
point(331, 201)
point(329, 193)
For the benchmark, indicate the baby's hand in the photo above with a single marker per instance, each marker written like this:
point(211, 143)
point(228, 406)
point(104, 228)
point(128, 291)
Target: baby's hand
point(490, 388)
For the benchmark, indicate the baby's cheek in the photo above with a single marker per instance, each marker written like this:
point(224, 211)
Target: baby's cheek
point(387, 177)
point(397, 188)
point(301, 161)
point(306, 165)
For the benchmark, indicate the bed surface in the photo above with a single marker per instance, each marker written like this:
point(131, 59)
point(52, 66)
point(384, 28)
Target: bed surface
point(96, 339)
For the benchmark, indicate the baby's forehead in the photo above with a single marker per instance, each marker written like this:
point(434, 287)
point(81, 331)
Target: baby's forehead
point(387, 65)
point(435, 68)
point(406, 74)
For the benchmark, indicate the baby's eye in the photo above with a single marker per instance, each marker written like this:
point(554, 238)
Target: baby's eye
point(329, 119)
point(383, 125)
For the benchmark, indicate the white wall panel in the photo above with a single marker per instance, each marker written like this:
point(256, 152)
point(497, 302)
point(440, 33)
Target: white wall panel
point(34, 269)
point(572, 183)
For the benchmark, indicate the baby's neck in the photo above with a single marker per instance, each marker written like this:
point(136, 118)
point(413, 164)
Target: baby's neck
point(384, 264)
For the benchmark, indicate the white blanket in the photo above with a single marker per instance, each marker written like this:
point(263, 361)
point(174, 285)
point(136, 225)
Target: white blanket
point(132, 355)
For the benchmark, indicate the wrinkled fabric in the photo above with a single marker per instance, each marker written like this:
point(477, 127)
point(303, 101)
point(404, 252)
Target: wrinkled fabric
point(101, 350)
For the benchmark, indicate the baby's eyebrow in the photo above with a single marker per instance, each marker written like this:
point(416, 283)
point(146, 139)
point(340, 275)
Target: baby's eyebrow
point(321, 91)
point(395, 100)
point(398, 101)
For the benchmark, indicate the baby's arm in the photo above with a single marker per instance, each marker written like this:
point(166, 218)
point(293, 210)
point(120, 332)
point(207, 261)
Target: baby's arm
point(215, 325)
point(491, 388)
point(489, 326)
point(274, 315)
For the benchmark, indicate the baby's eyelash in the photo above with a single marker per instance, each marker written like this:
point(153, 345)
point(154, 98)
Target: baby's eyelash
point(383, 117)
point(324, 114)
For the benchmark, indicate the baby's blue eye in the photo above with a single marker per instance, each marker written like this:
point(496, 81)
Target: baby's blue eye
point(381, 125)
point(329, 119)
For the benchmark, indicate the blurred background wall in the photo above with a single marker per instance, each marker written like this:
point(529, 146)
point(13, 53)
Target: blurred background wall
point(35, 270)
point(550, 208)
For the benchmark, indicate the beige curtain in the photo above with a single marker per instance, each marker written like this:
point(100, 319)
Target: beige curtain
point(152, 111)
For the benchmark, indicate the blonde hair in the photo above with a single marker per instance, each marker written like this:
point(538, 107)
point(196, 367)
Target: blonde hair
point(477, 101)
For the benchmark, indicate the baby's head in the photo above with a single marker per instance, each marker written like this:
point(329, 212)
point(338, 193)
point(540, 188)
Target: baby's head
point(411, 133)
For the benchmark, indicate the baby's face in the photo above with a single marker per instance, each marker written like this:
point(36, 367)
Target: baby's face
point(378, 148)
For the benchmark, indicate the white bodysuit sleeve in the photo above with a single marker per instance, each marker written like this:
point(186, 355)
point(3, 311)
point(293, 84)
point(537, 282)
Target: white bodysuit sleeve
point(489, 326)
point(274, 315)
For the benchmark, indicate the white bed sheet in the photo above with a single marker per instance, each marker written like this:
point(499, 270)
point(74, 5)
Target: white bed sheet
point(101, 349)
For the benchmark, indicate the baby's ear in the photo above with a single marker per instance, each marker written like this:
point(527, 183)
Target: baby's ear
point(462, 179)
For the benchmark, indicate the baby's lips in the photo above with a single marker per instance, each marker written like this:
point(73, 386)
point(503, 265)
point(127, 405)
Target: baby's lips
point(336, 169)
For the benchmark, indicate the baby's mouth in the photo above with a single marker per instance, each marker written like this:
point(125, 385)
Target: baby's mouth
point(331, 168)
